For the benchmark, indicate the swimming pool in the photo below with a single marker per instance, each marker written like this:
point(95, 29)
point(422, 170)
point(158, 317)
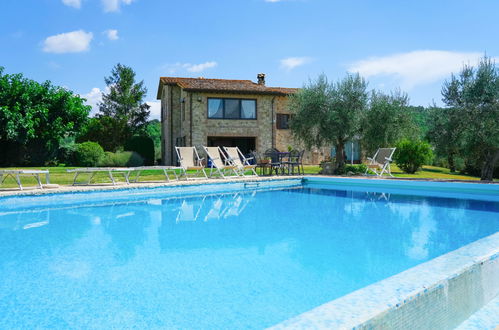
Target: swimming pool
point(220, 256)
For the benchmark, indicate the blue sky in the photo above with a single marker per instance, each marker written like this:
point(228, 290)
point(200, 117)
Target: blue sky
point(413, 45)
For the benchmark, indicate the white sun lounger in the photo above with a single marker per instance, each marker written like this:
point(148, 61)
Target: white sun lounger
point(16, 175)
point(189, 159)
point(380, 162)
point(166, 170)
point(94, 170)
point(235, 155)
point(218, 165)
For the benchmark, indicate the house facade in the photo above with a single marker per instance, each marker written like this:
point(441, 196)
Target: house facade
point(220, 112)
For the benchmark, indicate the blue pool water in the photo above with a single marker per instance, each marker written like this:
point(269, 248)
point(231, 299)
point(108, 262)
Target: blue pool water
point(238, 259)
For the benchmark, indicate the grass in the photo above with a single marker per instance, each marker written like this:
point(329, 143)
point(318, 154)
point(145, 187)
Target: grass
point(432, 172)
point(59, 175)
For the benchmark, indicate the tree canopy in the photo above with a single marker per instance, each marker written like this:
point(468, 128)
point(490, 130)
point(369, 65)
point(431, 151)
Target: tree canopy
point(329, 113)
point(34, 117)
point(388, 119)
point(473, 96)
point(445, 132)
point(122, 112)
point(124, 101)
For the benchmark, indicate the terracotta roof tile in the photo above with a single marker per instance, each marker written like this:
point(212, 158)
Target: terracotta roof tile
point(223, 85)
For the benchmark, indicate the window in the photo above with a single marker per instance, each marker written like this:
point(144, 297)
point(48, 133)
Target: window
point(282, 121)
point(215, 108)
point(231, 109)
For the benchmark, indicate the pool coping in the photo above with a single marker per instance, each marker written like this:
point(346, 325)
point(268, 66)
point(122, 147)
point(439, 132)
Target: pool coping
point(55, 189)
point(141, 185)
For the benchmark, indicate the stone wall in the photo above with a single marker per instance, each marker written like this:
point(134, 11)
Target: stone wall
point(259, 128)
point(185, 105)
point(284, 138)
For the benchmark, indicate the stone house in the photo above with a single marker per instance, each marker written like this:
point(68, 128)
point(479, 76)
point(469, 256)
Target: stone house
point(220, 112)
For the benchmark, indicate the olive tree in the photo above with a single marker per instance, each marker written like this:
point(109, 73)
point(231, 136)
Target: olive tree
point(445, 132)
point(329, 113)
point(387, 120)
point(474, 94)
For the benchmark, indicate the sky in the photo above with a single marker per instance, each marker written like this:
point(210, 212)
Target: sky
point(395, 44)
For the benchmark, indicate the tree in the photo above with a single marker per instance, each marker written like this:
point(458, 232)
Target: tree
point(474, 95)
point(124, 101)
point(34, 117)
point(445, 132)
point(107, 131)
point(153, 130)
point(387, 120)
point(329, 113)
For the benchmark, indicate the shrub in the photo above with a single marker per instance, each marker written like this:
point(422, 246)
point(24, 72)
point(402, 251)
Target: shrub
point(66, 154)
point(122, 159)
point(411, 155)
point(356, 169)
point(88, 154)
point(142, 145)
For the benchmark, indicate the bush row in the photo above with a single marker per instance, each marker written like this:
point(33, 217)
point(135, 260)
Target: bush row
point(91, 154)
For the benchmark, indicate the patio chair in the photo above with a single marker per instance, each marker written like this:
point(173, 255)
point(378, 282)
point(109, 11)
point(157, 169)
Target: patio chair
point(242, 163)
point(16, 175)
point(295, 160)
point(261, 163)
point(380, 162)
point(275, 162)
point(189, 160)
point(218, 165)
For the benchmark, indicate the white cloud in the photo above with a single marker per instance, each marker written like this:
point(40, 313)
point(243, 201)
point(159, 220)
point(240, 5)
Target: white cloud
point(112, 34)
point(72, 3)
point(195, 68)
point(416, 67)
point(114, 5)
point(292, 62)
point(71, 42)
point(200, 67)
point(93, 98)
point(155, 109)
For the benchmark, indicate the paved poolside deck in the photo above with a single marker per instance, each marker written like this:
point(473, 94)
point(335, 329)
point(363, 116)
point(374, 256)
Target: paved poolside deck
point(55, 189)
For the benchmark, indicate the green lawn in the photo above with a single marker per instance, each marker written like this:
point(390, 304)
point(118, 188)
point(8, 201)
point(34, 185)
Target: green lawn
point(432, 172)
point(58, 175)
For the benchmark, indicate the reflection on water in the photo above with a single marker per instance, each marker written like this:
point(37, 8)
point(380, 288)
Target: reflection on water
point(232, 260)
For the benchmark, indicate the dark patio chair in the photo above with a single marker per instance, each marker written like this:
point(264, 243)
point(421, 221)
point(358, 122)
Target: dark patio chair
point(295, 161)
point(261, 163)
point(275, 161)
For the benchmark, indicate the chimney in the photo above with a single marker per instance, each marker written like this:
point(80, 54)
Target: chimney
point(261, 79)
